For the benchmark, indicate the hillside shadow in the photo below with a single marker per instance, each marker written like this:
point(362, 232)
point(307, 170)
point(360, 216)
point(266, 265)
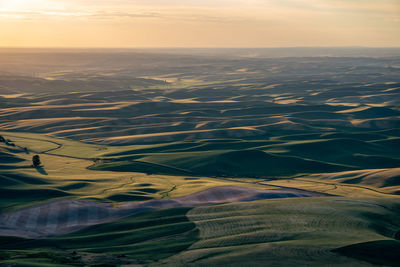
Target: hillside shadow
point(41, 170)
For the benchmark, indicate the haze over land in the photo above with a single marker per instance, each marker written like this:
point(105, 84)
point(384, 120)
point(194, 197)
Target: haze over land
point(193, 157)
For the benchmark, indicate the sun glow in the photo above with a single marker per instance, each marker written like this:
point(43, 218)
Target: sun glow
point(194, 23)
point(18, 5)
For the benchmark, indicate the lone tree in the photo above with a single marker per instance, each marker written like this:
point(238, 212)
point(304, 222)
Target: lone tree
point(36, 161)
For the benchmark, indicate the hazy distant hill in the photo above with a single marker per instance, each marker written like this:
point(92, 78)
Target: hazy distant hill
point(284, 157)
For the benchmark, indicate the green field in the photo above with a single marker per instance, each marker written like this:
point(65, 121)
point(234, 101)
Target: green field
point(301, 231)
point(145, 238)
point(203, 158)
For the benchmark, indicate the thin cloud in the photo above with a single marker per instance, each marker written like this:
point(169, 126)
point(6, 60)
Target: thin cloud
point(202, 22)
point(57, 14)
point(184, 15)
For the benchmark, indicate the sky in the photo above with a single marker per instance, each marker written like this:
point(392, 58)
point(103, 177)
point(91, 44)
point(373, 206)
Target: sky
point(199, 23)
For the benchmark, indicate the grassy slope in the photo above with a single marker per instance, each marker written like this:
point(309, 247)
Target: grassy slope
point(241, 158)
point(147, 237)
point(276, 232)
point(298, 232)
point(305, 231)
point(69, 177)
point(231, 157)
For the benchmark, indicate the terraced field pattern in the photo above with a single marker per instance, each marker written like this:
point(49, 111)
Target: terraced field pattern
point(160, 158)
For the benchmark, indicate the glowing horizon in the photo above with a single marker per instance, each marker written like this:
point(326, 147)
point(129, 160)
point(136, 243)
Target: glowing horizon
point(199, 23)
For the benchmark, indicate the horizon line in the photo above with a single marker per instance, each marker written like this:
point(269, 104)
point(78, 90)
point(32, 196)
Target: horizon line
point(200, 47)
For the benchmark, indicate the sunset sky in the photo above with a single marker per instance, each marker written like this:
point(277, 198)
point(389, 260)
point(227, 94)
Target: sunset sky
point(199, 23)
